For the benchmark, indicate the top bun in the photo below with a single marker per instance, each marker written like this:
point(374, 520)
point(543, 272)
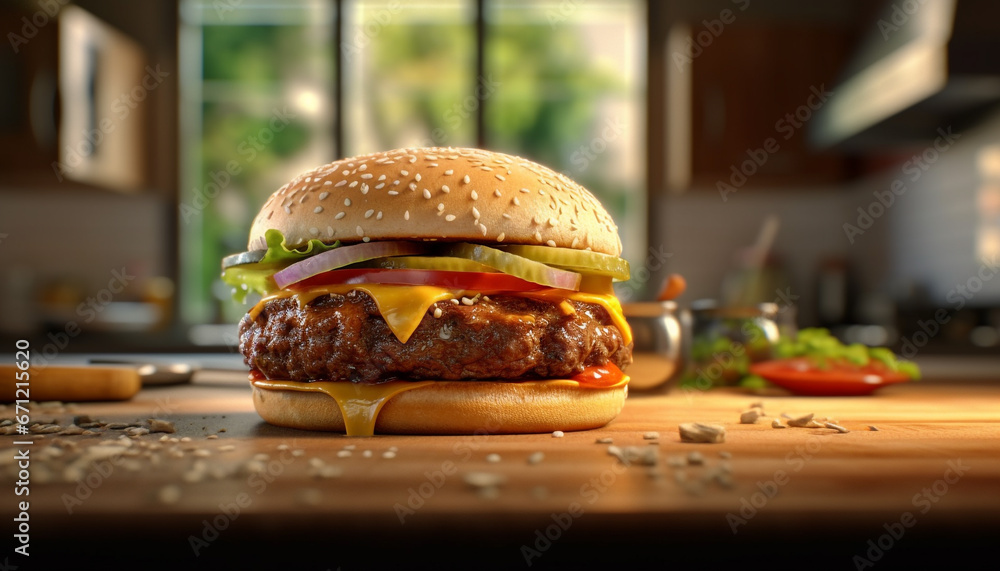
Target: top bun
point(448, 194)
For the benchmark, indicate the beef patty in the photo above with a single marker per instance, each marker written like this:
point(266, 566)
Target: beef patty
point(344, 338)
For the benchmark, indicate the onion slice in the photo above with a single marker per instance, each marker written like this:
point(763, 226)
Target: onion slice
point(344, 256)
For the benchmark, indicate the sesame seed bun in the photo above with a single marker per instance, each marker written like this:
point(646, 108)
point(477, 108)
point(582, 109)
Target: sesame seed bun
point(449, 194)
point(450, 407)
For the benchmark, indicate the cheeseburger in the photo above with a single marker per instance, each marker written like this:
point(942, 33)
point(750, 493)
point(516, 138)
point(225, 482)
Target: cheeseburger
point(433, 291)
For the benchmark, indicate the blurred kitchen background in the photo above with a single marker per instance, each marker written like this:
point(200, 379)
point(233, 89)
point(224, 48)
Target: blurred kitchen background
point(840, 156)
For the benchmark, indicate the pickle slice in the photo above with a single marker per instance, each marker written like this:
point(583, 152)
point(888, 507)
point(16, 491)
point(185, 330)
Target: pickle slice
point(515, 265)
point(576, 260)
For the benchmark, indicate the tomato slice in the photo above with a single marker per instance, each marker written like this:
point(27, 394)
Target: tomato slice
point(801, 376)
point(472, 281)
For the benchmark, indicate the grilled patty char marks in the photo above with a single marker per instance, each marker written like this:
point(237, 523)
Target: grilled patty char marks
point(344, 338)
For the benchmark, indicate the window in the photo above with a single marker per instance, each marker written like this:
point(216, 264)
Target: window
point(562, 83)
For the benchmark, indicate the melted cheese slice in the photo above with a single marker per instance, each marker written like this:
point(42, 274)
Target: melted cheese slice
point(403, 307)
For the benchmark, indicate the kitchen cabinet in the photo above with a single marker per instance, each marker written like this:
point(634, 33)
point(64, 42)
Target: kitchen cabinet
point(72, 106)
point(740, 98)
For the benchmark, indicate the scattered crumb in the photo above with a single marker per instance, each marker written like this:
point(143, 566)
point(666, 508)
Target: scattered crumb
point(750, 416)
point(694, 458)
point(651, 436)
point(697, 432)
point(776, 423)
point(872, 428)
point(604, 440)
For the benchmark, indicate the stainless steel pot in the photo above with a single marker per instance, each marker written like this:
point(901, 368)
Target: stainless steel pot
point(656, 332)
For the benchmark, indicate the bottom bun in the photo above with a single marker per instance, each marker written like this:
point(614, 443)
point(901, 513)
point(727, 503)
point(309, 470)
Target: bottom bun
point(455, 407)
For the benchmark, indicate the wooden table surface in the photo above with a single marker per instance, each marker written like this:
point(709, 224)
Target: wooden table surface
point(926, 484)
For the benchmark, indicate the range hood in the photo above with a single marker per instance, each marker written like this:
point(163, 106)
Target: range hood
point(926, 65)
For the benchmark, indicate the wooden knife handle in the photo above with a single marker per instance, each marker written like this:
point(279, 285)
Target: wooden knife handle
point(68, 384)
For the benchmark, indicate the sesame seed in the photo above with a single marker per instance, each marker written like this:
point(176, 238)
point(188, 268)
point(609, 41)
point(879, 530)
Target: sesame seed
point(553, 222)
point(323, 195)
point(363, 167)
point(487, 169)
point(482, 228)
point(453, 301)
point(318, 209)
point(437, 312)
point(360, 231)
point(368, 214)
point(404, 172)
point(475, 213)
point(412, 186)
point(327, 183)
point(340, 215)
point(347, 202)
point(395, 183)
point(287, 210)
point(449, 172)
point(507, 216)
point(341, 183)
point(449, 217)
point(445, 189)
point(353, 184)
point(551, 243)
point(413, 159)
point(330, 231)
point(366, 239)
point(576, 241)
point(524, 190)
point(406, 215)
point(474, 195)
point(467, 301)
point(314, 231)
point(367, 176)
point(427, 194)
point(466, 179)
point(542, 192)
point(538, 236)
point(501, 237)
point(308, 179)
point(345, 172)
point(381, 177)
point(379, 215)
point(500, 176)
point(497, 192)
point(430, 157)
point(517, 202)
point(440, 206)
point(416, 177)
point(379, 186)
point(393, 193)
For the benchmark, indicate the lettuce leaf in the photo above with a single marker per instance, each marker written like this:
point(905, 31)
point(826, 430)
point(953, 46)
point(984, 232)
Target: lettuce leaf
point(259, 277)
